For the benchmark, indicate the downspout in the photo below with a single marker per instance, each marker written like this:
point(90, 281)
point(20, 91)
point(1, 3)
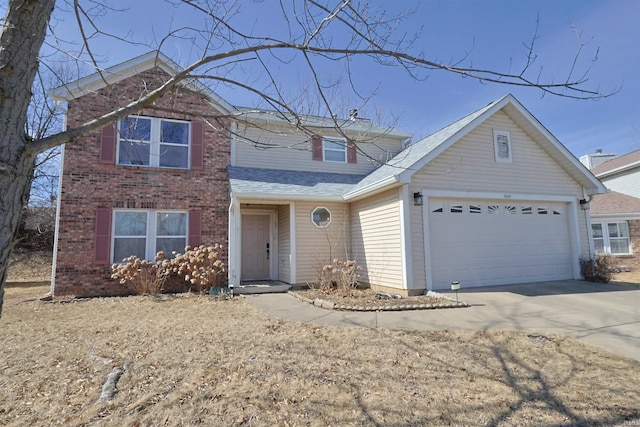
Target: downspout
point(58, 204)
point(234, 131)
point(232, 262)
point(592, 250)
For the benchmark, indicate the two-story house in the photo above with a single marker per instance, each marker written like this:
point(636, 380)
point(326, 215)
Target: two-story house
point(615, 216)
point(493, 198)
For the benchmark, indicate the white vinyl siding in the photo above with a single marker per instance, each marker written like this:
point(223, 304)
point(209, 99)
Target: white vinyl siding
point(376, 239)
point(291, 151)
point(284, 244)
point(469, 166)
point(625, 183)
point(317, 247)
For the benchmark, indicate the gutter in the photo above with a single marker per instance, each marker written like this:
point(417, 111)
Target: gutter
point(373, 188)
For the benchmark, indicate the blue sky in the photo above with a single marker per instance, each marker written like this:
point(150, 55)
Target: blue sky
point(493, 32)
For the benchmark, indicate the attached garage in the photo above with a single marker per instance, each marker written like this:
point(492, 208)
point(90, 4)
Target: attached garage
point(483, 242)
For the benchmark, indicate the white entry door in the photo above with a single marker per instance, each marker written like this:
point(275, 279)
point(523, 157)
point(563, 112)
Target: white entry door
point(255, 247)
point(485, 242)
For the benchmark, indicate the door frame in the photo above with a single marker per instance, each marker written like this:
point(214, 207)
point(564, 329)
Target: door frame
point(273, 240)
point(572, 213)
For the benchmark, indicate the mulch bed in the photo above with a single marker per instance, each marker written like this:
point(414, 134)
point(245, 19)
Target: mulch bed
point(366, 299)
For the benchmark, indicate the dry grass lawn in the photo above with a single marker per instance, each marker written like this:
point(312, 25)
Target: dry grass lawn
point(198, 361)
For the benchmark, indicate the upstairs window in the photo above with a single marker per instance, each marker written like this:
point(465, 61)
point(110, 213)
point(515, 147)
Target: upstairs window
point(611, 238)
point(155, 142)
point(334, 149)
point(502, 145)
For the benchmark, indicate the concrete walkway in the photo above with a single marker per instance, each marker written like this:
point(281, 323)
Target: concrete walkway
point(607, 316)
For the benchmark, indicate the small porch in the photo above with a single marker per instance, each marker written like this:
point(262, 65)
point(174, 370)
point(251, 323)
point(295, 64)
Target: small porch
point(261, 287)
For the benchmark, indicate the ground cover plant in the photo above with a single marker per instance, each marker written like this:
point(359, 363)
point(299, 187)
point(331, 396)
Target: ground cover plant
point(200, 361)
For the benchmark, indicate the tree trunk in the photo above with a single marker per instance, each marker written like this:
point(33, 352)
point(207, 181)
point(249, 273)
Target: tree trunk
point(23, 33)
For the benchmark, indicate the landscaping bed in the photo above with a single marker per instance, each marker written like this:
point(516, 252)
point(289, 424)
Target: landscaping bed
point(370, 300)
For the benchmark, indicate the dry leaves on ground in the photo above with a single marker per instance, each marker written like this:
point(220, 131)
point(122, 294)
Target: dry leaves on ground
point(199, 361)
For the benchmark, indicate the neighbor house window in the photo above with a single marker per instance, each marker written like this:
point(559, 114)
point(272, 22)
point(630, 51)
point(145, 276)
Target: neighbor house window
point(334, 149)
point(321, 217)
point(611, 238)
point(502, 145)
point(145, 233)
point(151, 141)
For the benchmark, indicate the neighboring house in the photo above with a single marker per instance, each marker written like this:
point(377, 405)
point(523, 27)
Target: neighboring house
point(615, 216)
point(491, 199)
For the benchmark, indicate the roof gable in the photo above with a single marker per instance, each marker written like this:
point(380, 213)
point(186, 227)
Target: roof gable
point(117, 73)
point(402, 167)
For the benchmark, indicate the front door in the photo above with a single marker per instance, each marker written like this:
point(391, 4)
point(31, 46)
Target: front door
point(255, 247)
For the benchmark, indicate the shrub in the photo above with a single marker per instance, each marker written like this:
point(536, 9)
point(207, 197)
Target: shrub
point(201, 266)
point(147, 277)
point(340, 276)
point(600, 268)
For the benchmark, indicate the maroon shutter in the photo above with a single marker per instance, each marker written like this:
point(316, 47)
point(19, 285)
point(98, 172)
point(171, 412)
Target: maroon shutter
point(103, 236)
point(195, 228)
point(352, 152)
point(316, 147)
point(197, 145)
point(108, 138)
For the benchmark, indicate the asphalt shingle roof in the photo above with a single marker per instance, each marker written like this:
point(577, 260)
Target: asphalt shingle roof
point(614, 203)
point(616, 163)
point(302, 184)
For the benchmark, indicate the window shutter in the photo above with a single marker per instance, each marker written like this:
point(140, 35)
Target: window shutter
point(103, 236)
point(197, 145)
point(108, 138)
point(352, 152)
point(195, 228)
point(316, 147)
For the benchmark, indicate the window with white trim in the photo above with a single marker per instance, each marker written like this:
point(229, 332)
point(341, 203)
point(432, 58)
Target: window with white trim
point(502, 145)
point(155, 142)
point(611, 238)
point(145, 233)
point(334, 149)
point(321, 217)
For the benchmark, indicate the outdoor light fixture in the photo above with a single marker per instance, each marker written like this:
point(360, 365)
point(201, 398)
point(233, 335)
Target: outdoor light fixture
point(417, 199)
point(584, 204)
point(455, 286)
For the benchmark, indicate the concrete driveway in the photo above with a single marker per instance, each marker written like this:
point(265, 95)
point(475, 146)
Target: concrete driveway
point(604, 315)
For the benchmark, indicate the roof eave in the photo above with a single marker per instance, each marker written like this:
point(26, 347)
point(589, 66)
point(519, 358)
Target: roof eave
point(119, 72)
point(247, 197)
point(374, 188)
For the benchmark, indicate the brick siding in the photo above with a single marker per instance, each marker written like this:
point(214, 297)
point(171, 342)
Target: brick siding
point(88, 185)
point(631, 262)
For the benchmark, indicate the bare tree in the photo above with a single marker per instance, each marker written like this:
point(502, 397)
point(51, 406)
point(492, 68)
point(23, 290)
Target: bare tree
point(310, 33)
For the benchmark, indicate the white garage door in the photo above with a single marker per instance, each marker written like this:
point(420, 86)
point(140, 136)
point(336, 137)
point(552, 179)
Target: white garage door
point(482, 243)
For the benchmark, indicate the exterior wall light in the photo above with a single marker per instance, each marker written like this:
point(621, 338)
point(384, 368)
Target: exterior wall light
point(584, 204)
point(418, 200)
